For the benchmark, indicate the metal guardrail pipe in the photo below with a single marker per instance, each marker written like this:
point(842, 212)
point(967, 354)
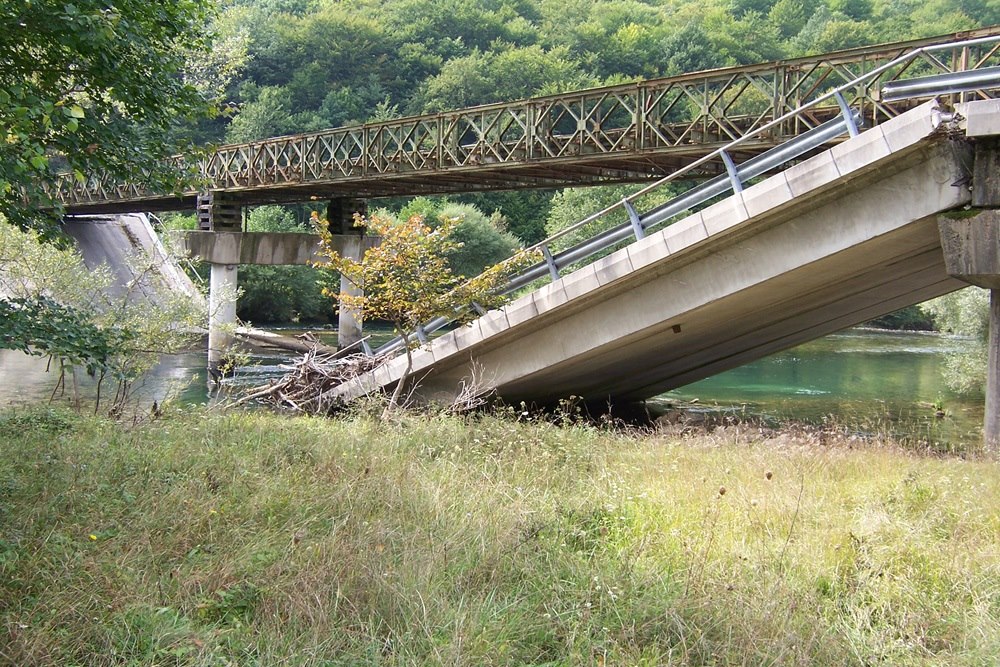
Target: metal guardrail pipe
point(752, 168)
point(940, 84)
point(698, 195)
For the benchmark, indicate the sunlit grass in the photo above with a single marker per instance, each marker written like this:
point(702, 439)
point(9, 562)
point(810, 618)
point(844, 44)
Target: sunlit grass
point(255, 539)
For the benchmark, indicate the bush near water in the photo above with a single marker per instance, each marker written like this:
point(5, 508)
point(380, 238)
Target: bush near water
point(257, 539)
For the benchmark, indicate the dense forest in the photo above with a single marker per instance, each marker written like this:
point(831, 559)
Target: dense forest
point(288, 66)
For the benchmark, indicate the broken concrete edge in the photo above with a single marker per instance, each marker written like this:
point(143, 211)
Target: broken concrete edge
point(971, 245)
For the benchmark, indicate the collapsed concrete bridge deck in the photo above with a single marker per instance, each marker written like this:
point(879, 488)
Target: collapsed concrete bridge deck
point(835, 240)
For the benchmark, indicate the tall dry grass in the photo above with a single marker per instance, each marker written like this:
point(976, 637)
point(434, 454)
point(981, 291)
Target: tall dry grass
point(254, 539)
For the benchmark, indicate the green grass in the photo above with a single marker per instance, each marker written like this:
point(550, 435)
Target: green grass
point(254, 539)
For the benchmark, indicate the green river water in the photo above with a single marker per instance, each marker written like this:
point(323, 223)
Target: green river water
point(864, 379)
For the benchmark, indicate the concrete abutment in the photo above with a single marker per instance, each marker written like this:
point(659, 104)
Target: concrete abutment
point(971, 245)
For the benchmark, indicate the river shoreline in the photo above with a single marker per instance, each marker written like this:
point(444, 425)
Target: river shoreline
point(871, 381)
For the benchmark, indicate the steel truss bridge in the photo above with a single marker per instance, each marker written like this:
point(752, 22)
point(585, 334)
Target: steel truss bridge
point(625, 133)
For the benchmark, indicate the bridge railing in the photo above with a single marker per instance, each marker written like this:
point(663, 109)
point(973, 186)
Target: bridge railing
point(851, 106)
point(679, 114)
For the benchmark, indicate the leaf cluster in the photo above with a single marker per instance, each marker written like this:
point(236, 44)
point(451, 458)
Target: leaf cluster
point(40, 326)
point(407, 279)
point(91, 86)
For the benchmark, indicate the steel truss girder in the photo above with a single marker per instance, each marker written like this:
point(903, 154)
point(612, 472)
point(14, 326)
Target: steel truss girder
point(492, 146)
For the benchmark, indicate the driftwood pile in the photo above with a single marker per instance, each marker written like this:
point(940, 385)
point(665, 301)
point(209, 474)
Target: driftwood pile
point(306, 386)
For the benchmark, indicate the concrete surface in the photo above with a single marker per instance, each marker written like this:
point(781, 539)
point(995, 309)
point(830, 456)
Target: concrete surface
point(971, 244)
point(115, 240)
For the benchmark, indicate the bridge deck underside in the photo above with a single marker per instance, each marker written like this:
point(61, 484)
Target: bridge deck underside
point(596, 169)
point(823, 297)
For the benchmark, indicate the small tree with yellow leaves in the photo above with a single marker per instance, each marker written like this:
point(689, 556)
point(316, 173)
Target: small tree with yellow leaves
point(407, 280)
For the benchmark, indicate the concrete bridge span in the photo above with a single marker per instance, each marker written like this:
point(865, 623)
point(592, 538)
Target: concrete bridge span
point(837, 239)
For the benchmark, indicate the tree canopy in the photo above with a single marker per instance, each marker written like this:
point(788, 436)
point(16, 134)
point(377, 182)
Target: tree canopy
point(331, 63)
point(407, 278)
point(93, 86)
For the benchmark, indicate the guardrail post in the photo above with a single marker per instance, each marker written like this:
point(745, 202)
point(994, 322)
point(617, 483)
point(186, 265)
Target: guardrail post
point(845, 111)
point(734, 176)
point(553, 269)
point(633, 216)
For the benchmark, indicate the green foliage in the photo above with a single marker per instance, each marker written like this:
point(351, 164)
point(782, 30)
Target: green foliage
point(524, 212)
point(265, 114)
point(911, 318)
point(232, 606)
point(571, 205)
point(516, 73)
point(178, 222)
point(91, 87)
point(328, 64)
point(481, 241)
point(407, 279)
point(40, 326)
point(965, 312)
point(788, 16)
point(280, 294)
point(690, 50)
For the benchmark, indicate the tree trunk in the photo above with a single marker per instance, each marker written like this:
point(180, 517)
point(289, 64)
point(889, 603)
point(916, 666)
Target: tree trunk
point(398, 391)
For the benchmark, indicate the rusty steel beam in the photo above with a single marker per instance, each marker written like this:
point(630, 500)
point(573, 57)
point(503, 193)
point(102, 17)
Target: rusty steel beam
point(624, 133)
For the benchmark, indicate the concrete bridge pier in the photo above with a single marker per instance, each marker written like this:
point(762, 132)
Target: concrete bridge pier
point(221, 313)
point(340, 214)
point(971, 244)
point(972, 254)
point(217, 213)
point(221, 242)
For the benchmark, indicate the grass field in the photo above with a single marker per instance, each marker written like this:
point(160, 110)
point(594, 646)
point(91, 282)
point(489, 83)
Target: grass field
point(255, 539)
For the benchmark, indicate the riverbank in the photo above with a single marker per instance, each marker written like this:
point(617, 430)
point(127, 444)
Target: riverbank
point(873, 382)
point(205, 539)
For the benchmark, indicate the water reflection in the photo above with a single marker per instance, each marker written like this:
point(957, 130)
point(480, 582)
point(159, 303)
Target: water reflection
point(26, 379)
point(880, 379)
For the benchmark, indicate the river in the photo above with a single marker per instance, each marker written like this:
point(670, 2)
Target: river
point(866, 379)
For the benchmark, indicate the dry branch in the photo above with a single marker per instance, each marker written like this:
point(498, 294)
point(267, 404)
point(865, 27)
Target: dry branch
point(305, 388)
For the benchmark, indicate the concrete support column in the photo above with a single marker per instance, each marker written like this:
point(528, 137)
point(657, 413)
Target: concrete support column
point(971, 245)
point(221, 313)
point(349, 320)
point(340, 214)
point(218, 213)
point(991, 425)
